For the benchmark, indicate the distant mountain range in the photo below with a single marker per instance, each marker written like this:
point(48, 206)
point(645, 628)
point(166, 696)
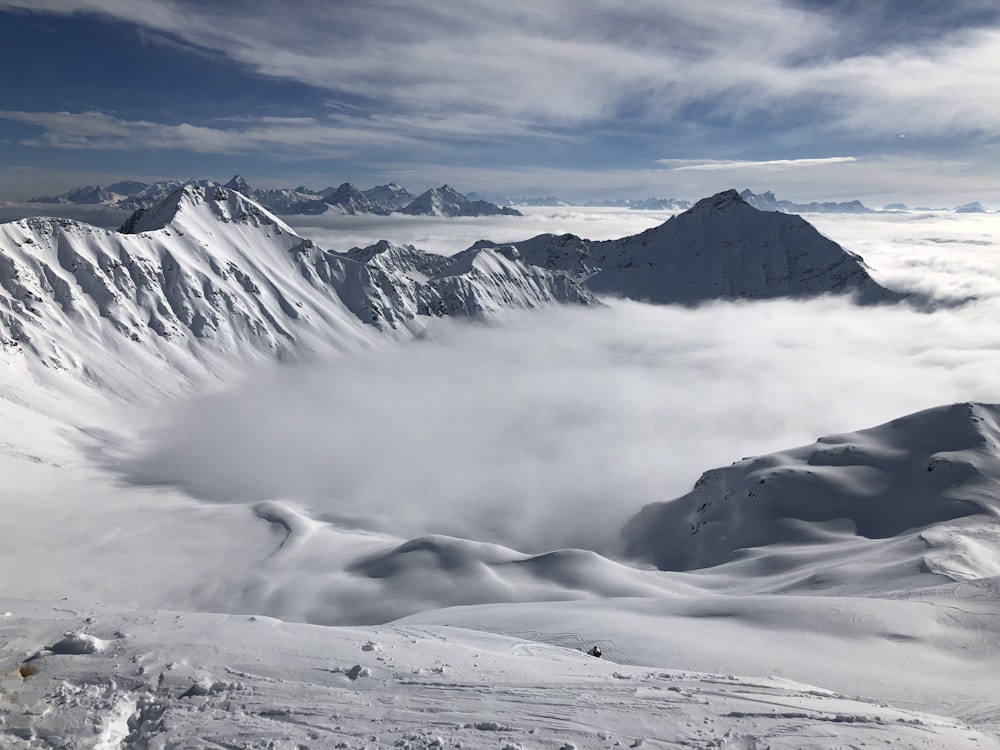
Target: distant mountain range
point(637, 204)
point(767, 202)
point(346, 199)
point(383, 200)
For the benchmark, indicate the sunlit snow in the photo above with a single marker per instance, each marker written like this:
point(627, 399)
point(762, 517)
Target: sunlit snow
point(410, 534)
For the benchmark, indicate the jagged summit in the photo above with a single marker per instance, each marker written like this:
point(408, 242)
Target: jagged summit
point(405, 259)
point(727, 200)
point(389, 197)
point(240, 185)
point(209, 273)
point(347, 198)
point(194, 204)
point(720, 248)
point(890, 482)
point(446, 201)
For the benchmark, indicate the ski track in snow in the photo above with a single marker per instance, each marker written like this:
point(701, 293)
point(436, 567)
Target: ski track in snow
point(485, 646)
point(191, 680)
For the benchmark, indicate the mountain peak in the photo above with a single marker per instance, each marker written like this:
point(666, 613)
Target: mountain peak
point(240, 185)
point(721, 248)
point(727, 200)
point(446, 201)
point(194, 205)
point(967, 208)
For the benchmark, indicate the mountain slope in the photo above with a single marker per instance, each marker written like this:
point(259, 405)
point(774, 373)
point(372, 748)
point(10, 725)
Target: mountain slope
point(926, 485)
point(207, 680)
point(722, 248)
point(210, 272)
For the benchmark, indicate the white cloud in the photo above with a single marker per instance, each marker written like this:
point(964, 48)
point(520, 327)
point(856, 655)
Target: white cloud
point(874, 180)
point(715, 165)
point(301, 136)
point(536, 65)
point(549, 429)
point(448, 235)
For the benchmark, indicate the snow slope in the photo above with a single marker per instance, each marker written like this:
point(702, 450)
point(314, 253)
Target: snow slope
point(933, 476)
point(208, 272)
point(858, 582)
point(96, 677)
point(721, 248)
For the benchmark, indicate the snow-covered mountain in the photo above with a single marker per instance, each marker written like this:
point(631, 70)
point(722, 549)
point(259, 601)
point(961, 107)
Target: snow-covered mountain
point(919, 493)
point(766, 201)
point(722, 248)
point(446, 201)
point(389, 198)
point(345, 199)
point(211, 270)
point(542, 200)
point(970, 208)
point(348, 199)
point(856, 578)
point(660, 204)
point(643, 204)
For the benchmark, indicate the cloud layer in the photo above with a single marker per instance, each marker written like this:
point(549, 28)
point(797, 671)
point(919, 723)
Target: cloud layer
point(574, 86)
point(559, 63)
point(550, 429)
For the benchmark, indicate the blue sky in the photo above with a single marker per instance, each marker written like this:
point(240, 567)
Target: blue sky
point(874, 99)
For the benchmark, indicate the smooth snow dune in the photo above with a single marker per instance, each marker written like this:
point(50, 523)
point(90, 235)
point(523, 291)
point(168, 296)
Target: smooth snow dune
point(935, 466)
point(319, 573)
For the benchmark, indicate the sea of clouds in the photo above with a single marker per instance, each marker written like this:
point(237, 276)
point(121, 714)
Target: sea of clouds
point(549, 429)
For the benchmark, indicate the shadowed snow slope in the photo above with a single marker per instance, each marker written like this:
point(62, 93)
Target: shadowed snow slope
point(210, 272)
point(935, 470)
point(721, 248)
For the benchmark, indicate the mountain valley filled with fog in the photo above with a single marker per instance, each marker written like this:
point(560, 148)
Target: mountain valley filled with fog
point(459, 460)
